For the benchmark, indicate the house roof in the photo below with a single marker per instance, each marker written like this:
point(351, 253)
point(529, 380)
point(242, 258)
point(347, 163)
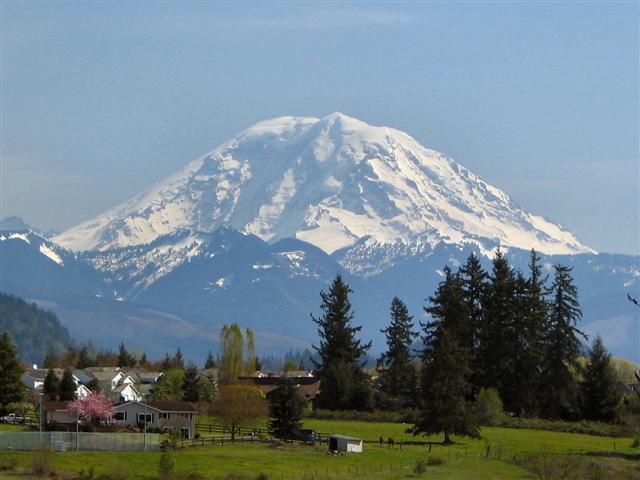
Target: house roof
point(143, 376)
point(344, 437)
point(120, 388)
point(51, 406)
point(41, 373)
point(308, 390)
point(164, 406)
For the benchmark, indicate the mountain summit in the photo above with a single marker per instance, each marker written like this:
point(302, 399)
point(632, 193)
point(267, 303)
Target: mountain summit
point(330, 182)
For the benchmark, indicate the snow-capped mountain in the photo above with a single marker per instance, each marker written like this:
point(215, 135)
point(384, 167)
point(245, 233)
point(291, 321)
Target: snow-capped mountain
point(331, 182)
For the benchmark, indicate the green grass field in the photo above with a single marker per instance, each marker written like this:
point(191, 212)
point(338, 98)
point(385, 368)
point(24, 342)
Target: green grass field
point(512, 454)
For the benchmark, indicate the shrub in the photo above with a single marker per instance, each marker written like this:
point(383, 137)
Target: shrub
point(41, 461)
point(489, 406)
point(433, 460)
point(262, 476)
point(584, 427)
point(420, 467)
point(7, 463)
point(166, 469)
point(391, 416)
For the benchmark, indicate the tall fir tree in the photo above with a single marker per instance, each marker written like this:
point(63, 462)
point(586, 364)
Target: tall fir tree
point(84, 359)
point(600, 395)
point(286, 411)
point(497, 333)
point(559, 387)
point(51, 386)
point(446, 399)
point(345, 385)
point(397, 373)
point(210, 361)
point(178, 359)
point(11, 386)
point(67, 389)
point(190, 385)
point(533, 309)
point(474, 284)
point(125, 359)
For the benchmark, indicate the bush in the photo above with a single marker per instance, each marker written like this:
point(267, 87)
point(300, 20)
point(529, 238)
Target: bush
point(584, 427)
point(436, 461)
point(420, 467)
point(398, 416)
point(489, 406)
point(167, 467)
point(41, 461)
point(7, 463)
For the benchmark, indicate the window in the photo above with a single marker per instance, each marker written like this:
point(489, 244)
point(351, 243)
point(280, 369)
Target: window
point(122, 416)
point(141, 417)
point(164, 415)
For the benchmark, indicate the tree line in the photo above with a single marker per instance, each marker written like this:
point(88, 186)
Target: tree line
point(503, 330)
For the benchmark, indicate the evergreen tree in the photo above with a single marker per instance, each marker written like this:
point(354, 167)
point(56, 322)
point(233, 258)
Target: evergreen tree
point(206, 388)
point(125, 359)
point(397, 375)
point(11, 386)
point(67, 386)
point(286, 409)
point(51, 387)
point(600, 394)
point(344, 383)
point(559, 387)
point(190, 388)
point(531, 324)
point(178, 359)
point(446, 390)
point(51, 359)
point(474, 284)
point(84, 360)
point(497, 333)
point(143, 361)
point(209, 362)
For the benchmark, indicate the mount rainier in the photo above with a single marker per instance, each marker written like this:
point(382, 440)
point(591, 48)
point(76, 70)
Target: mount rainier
point(329, 182)
point(253, 230)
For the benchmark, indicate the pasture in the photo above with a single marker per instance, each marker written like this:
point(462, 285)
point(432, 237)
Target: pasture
point(502, 454)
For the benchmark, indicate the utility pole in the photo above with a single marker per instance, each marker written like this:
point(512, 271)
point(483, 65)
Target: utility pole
point(40, 395)
point(145, 423)
point(77, 429)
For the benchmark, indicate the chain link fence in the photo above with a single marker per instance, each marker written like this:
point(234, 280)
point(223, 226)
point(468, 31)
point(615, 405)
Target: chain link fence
point(84, 441)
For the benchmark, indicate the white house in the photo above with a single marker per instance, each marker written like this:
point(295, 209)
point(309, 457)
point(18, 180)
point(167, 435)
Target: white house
point(342, 443)
point(126, 392)
point(160, 415)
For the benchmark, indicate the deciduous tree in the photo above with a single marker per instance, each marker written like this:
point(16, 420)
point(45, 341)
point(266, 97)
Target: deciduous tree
point(239, 406)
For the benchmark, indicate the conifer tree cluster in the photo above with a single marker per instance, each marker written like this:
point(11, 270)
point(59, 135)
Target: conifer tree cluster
point(514, 333)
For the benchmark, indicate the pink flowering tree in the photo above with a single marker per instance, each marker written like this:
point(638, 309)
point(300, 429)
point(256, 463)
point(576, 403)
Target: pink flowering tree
point(92, 408)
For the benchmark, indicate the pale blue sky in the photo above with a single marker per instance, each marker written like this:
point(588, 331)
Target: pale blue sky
point(101, 100)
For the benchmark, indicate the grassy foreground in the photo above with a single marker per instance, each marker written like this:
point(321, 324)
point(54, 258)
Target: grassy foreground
point(502, 454)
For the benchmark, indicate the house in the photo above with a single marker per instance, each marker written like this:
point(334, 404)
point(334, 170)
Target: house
point(306, 387)
point(342, 443)
point(115, 383)
point(126, 392)
point(34, 377)
point(56, 412)
point(162, 415)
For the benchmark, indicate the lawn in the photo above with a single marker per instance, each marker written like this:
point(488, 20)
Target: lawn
point(502, 454)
